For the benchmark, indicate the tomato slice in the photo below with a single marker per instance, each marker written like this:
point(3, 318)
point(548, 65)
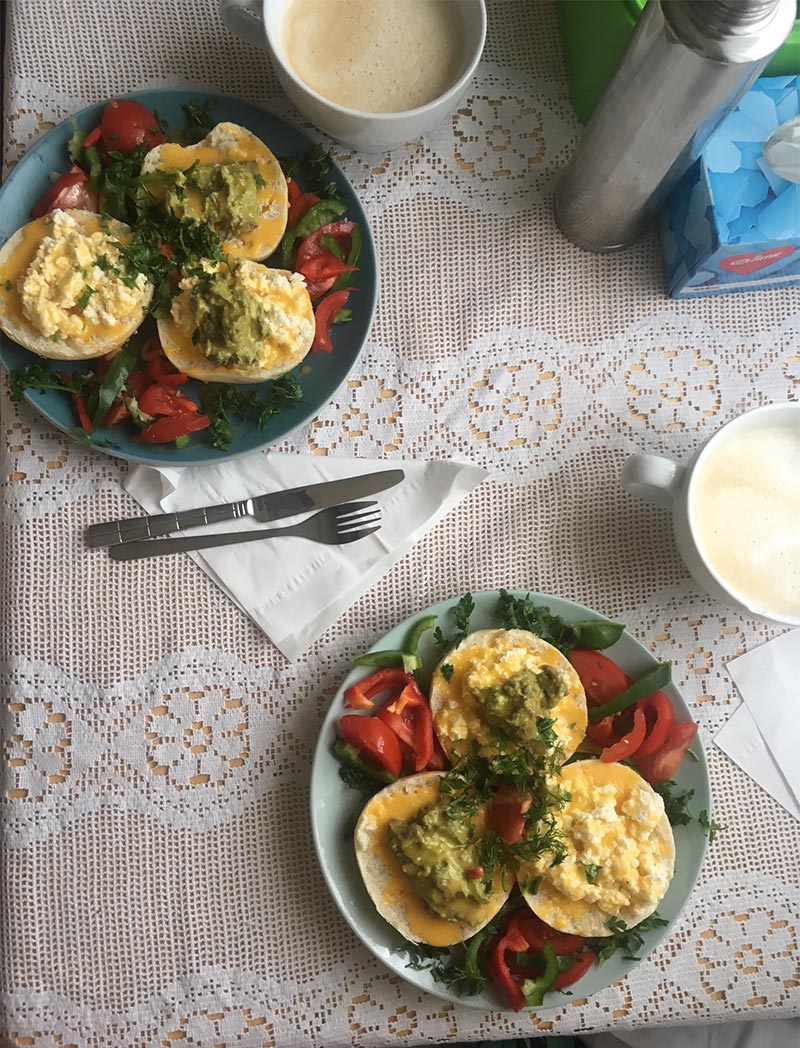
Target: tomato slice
point(663, 764)
point(625, 747)
point(164, 400)
point(127, 124)
point(137, 382)
point(312, 245)
point(299, 202)
point(506, 814)
point(118, 412)
point(71, 190)
point(580, 966)
point(375, 741)
point(538, 933)
point(601, 678)
point(660, 715)
point(323, 318)
point(93, 137)
point(164, 430)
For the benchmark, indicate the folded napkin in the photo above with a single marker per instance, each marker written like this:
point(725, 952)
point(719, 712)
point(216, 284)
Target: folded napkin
point(762, 734)
point(294, 589)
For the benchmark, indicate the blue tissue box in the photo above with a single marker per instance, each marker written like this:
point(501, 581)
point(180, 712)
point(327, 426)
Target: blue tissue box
point(731, 223)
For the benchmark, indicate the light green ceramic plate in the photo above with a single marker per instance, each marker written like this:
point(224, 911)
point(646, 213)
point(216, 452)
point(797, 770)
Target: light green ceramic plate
point(335, 807)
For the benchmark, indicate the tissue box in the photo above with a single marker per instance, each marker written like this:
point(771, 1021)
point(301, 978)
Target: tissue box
point(731, 223)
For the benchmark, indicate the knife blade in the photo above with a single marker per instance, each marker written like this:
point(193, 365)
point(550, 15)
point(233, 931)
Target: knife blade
point(272, 505)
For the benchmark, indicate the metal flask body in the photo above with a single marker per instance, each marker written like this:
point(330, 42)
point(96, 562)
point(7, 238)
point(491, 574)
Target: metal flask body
point(686, 66)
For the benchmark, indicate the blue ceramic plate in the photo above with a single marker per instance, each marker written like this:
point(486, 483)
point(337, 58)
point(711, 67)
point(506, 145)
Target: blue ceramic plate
point(327, 372)
point(335, 807)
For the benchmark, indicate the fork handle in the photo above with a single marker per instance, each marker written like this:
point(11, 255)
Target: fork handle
point(147, 527)
point(161, 547)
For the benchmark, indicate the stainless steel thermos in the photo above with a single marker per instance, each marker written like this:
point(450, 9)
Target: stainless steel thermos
point(686, 66)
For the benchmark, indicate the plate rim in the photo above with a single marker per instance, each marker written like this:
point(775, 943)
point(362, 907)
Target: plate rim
point(145, 459)
point(321, 747)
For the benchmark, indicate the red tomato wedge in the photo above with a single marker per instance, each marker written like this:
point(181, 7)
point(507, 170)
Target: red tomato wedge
point(137, 382)
point(164, 430)
point(660, 715)
point(299, 202)
point(375, 742)
point(506, 814)
point(324, 316)
point(580, 966)
point(165, 400)
point(601, 678)
point(118, 412)
point(628, 745)
point(312, 245)
point(127, 124)
point(71, 190)
point(538, 933)
point(663, 764)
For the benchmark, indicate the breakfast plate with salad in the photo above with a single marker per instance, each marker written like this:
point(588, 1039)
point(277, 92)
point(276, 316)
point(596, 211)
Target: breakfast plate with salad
point(510, 801)
point(183, 278)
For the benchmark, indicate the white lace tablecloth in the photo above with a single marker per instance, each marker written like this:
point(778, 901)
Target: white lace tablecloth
point(159, 882)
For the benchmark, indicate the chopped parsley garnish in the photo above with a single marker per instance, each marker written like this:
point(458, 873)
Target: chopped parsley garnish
point(676, 804)
point(225, 404)
point(85, 295)
point(8, 286)
point(712, 828)
point(520, 613)
point(315, 168)
point(461, 613)
point(38, 377)
point(446, 671)
point(625, 939)
point(592, 871)
point(199, 122)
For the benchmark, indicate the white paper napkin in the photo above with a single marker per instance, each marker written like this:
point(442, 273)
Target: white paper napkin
point(761, 736)
point(294, 589)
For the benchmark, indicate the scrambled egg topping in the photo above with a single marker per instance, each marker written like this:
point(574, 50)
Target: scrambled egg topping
point(614, 860)
point(66, 294)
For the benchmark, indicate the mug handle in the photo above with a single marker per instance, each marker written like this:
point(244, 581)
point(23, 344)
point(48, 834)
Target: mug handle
point(245, 19)
point(653, 478)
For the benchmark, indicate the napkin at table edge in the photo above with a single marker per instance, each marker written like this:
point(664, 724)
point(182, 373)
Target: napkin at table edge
point(293, 589)
point(760, 735)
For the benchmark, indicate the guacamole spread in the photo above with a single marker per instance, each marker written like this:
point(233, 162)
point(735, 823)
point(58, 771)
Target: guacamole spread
point(231, 321)
point(436, 853)
point(227, 195)
point(514, 704)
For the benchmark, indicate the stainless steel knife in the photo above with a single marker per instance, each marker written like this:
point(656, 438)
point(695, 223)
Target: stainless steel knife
point(274, 505)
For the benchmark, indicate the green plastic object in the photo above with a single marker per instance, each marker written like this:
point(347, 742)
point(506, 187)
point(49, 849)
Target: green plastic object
point(594, 34)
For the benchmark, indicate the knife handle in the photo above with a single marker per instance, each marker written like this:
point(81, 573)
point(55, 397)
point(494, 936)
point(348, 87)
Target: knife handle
point(115, 531)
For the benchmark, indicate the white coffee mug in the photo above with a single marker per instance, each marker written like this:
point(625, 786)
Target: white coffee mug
point(667, 483)
point(259, 22)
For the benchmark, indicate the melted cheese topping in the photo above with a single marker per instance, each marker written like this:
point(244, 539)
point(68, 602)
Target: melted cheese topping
point(285, 301)
point(615, 861)
point(228, 143)
point(461, 721)
point(397, 890)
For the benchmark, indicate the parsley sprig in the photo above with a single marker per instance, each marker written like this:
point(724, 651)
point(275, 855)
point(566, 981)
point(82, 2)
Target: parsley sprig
point(226, 404)
point(461, 613)
point(628, 941)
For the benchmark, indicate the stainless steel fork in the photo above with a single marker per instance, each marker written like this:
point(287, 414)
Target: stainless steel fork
point(333, 527)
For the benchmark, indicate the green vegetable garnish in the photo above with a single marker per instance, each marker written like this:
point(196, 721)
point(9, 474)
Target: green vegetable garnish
point(654, 680)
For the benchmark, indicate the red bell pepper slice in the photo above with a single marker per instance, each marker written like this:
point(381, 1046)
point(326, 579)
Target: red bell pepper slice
point(359, 696)
point(603, 732)
point(164, 400)
point(323, 318)
point(164, 430)
point(660, 714)
point(663, 764)
point(375, 742)
point(511, 940)
point(625, 747)
point(81, 411)
point(409, 716)
point(438, 761)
